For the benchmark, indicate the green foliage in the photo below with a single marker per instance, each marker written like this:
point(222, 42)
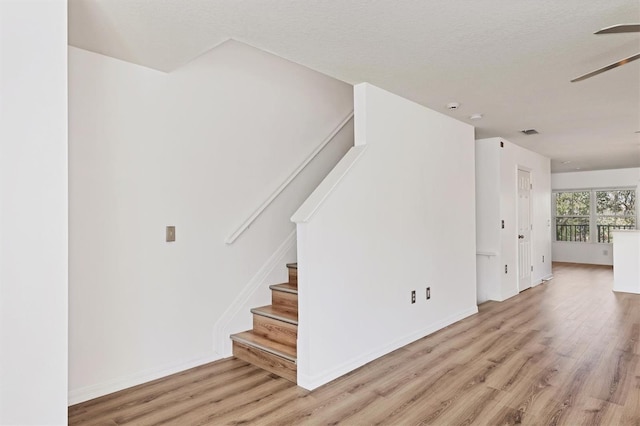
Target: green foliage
point(616, 203)
point(572, 203)
point(620, 202)
point(615, 209)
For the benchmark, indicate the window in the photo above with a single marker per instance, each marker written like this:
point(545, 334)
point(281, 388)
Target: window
point(592, 215)
point(615, 209)
point(572, 216)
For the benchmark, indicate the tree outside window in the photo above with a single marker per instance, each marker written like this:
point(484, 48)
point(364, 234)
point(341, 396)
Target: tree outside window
point(615, 209)
point(592, 215)
point(573, 216)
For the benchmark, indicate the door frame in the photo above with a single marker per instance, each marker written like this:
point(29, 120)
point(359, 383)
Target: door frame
point(531, 257)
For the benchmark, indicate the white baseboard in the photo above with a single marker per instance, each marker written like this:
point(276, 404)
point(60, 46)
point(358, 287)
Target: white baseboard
point(77, 396)
point(221, 330)
point(508, 295)
point(312, 382)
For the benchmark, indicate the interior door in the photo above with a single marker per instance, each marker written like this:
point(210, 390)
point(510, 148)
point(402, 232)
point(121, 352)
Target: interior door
point(524, 230)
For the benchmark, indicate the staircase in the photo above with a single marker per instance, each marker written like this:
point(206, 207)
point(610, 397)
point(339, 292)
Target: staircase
point(271, 344)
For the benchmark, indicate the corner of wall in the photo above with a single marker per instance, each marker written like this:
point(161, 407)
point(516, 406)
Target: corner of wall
point(360, 113)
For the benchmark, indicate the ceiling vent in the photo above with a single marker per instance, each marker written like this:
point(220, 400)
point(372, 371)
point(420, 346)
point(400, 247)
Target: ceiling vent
point(529, 132)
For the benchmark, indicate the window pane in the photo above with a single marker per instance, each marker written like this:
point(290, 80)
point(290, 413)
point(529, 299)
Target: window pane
point(572, 229)
point(607, 224)
point(572, 203)
point(616, 202)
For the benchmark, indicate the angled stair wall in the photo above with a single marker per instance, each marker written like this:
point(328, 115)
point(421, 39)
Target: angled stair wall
point(396, 215)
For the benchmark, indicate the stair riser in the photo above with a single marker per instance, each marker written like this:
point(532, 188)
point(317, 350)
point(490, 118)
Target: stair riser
point(272, 363)
point(293, 276)
point(278, 331)
point(286, 301)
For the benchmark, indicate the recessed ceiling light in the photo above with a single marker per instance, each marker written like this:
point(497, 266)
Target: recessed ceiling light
point(476, 116)
point(577, 168)
point(529, 132)
point(566, 162)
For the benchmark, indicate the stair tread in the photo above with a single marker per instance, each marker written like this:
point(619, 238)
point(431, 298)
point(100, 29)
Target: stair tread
point(292, 265)
point(268, 345)
point(276, 313)
point(286, 287)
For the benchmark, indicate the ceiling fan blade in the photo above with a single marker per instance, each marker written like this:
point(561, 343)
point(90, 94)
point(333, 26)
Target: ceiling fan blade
point(607, 68)
point(620, 28)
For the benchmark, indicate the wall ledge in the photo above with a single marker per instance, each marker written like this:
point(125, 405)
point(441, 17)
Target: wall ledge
point(326, 187)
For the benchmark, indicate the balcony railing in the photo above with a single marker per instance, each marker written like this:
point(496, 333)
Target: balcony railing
point(604, 232)
point(580, 233)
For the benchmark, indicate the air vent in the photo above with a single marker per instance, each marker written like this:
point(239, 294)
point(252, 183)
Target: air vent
point(529, 132)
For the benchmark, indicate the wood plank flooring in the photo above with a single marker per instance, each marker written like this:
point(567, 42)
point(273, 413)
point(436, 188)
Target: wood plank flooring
point(566, 352)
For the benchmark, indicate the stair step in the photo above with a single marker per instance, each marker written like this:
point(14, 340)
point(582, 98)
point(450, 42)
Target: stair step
point(276, 313)
point(285, 301)
point(293, 273)
point(249, 338)
point(265, 360)
point(276, 330)
point(285, 287)
point(272, 343)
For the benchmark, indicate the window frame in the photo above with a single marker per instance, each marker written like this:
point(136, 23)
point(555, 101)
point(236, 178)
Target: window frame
point(555, 215)
point(593, 216)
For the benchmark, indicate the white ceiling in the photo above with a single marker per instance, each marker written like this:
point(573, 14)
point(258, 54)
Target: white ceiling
point(510, 60)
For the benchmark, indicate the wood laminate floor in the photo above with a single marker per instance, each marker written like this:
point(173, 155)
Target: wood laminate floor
point(564, 352)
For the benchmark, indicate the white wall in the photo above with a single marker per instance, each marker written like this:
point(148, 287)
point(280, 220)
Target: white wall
point(626, 270)
point(488, 225)
point(497, 195)
point(397, 214)
point(592, 253)
point(199, 148)
point(33, 212)
point(596, 179)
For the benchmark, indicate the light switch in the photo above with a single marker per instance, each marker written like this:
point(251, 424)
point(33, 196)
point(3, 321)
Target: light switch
point(171, 233)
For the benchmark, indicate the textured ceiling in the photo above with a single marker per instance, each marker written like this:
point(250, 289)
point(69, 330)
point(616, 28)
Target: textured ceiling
point(510, 60)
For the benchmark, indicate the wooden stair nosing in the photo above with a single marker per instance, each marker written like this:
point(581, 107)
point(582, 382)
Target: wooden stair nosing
point(278, 314)
point(246, 339)
point(284, 287)
point(292, 265)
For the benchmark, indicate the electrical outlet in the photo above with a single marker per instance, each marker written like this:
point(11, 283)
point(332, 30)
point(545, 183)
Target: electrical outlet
point(428, 293)
point(505, 269)
point(543, 259)
point(413, 296)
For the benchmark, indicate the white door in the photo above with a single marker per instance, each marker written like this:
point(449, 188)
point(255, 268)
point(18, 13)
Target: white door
point(524, 230)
